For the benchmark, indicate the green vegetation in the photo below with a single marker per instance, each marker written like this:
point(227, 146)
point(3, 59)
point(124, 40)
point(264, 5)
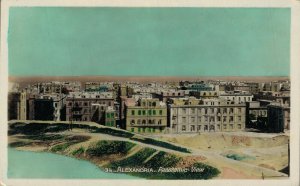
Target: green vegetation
point(134, 160)
point(114, 132)
point(41, 128)
point(19, 144)
point(78, 151)
point(45, 137)
point(161, 144)
point(239, 157)
point(162, 159)
point(61, 147)
point(104, 147)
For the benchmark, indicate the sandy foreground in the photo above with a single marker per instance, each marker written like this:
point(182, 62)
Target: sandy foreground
point(260, 156)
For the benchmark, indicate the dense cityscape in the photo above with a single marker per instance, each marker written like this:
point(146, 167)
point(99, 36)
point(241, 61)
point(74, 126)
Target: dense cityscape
point(171, 107)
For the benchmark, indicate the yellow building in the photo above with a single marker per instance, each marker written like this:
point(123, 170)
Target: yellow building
point(147, 116)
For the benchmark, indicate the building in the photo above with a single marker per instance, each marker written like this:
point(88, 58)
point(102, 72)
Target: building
point(110, 117)
point(276, 118)
point(205, 94)
point(198, 87)
point(256, 115)
point(13, 105)
point(237, 98)
point(146, 116)
point(209, 115)
point(87, 106)
point(165, 95)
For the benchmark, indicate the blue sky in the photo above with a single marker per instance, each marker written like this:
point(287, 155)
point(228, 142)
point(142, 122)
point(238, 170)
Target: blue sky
point(51, 41)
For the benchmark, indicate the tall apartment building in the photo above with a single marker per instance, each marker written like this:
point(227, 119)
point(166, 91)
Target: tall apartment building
point(147, 116)
point(208, 115)
point(87, 106)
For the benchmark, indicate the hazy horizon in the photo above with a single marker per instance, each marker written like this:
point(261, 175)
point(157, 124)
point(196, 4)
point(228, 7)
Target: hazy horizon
point(144, 78)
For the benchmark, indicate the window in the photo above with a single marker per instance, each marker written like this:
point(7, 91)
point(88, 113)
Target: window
point(239, 110)
point(144, 121)
point(149, 112)
point(192, 128)
point(132, 129)
point(231, 119)
point(198, 127)
point(154, 112)
point(159, 122)
point(184, 119)
point(199, 119)
point(139, 129)
point(160, 112)
point(224, 126)
point(86, 104)
point(138, 121)
point(224, 118)
point(132, 122)
point(240, 118)
point(239, 126)
point(183, 128)
point(205, 127)
point(193, 119)
point(205, 111)
point(218, 118)
point(193, 110)
point(132, 112)
point(144, 112)
point(218, 126)
point(231, 126)
point(183, 110)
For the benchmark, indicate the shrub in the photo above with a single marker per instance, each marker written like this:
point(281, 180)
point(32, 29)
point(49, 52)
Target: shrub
point(135, 160)
point(109, 147)
point(114, 132)
point(61, 147)
point(163, 159)
point(78, 151)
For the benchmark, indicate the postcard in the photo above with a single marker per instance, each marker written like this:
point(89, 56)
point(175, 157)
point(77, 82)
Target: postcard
point(150, 92)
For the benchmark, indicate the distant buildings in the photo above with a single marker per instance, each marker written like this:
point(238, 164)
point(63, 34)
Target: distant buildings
point(154, 107)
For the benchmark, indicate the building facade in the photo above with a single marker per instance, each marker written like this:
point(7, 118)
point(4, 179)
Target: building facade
point(207, 116)
point(147, 116)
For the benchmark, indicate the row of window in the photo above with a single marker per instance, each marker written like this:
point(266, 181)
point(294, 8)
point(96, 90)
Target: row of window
point(207, 110)
point(261, 112)
point(194, 128)
point(87, 103)
point(207, 118)
point(144, 112)
point(144, 121)
point(146, 129)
